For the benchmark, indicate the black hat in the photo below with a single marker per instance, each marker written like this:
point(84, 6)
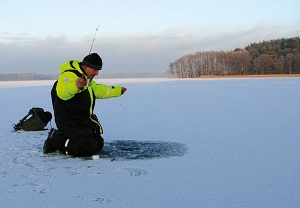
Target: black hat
point(93, 60)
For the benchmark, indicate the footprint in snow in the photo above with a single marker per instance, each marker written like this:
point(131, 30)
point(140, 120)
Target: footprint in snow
point(135, 171)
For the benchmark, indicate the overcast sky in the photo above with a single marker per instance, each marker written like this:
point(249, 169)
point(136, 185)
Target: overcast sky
point(134, 35)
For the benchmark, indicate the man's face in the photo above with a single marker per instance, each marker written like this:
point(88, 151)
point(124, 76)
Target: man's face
point(90, 72)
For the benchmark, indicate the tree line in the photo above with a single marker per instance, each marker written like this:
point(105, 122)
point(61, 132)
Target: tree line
point(26, 76)
point(33, 76)
point(280, 56)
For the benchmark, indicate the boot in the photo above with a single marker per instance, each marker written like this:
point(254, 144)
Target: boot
point(51, 143)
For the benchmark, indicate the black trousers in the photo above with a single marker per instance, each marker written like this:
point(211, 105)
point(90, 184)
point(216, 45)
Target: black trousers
point(80, 140)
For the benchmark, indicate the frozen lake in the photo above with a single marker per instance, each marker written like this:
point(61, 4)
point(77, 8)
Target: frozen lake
point(218, 143)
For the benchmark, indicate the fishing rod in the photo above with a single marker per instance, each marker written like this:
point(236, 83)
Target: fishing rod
point(94, 39)
point(88, 81)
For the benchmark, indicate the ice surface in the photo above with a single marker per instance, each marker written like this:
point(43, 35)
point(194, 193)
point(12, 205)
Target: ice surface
point(238, 144)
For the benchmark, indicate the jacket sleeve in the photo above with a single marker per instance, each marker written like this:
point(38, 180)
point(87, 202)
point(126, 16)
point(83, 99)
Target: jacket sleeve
point(66, 86)
point(103, 91)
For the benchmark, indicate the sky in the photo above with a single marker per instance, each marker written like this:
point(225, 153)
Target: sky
point(134, 35)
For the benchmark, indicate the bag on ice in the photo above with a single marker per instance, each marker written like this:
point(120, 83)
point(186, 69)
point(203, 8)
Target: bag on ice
point(35, 120)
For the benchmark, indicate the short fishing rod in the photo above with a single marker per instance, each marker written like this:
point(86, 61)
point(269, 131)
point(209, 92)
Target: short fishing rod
point(94, 39)
point(88, 81)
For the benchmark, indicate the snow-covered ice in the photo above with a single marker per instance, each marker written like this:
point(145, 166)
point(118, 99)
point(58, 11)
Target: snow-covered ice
point(238, 142)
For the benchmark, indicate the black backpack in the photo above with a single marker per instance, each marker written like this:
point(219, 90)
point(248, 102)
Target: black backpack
point(35, 120)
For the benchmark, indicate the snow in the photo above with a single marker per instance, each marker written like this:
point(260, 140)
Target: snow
point(240, 143)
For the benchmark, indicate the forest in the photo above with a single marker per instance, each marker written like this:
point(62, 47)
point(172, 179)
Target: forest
point(280, 56)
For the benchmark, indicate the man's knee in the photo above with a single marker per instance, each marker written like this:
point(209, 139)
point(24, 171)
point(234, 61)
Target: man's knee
point(87, 148)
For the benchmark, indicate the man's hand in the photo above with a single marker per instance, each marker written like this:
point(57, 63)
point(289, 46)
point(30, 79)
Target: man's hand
point(80, 82)
point(123, 90)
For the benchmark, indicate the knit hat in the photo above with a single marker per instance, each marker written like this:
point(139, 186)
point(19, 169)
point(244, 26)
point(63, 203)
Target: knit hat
point(93, 60)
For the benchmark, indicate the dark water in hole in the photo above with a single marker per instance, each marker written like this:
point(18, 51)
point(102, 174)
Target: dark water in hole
point(141, 150)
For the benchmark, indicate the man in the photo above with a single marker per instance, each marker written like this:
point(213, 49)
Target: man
point(73, 99)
